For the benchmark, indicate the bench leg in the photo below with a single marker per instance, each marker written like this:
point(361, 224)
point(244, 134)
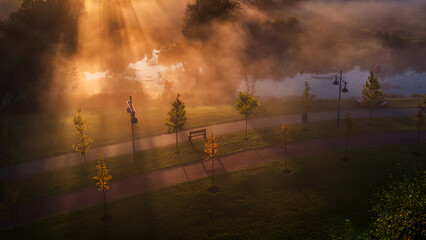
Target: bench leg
point(189, 138)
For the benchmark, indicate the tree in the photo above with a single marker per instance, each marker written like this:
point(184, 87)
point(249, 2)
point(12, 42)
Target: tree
point(285, 127)
point(307, 98)
point(103, 178)
point(246, 105)
point(372, 95)
point(419, 118)
point(349, 128)
point(201, 13)
point(211, 148)
point(176, 119)
point(83, 142)
point(399, 210)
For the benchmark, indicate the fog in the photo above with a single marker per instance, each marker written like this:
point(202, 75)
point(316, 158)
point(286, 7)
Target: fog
point(139, 47)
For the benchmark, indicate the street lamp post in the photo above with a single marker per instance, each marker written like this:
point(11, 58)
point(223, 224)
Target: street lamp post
point(344, 89)
point(133, 120)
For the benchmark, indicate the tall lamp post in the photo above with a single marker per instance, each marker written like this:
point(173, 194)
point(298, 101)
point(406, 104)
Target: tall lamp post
point(133, 120)
point(339, 81)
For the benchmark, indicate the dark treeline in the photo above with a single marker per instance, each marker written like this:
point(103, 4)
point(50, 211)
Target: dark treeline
point(30, 40)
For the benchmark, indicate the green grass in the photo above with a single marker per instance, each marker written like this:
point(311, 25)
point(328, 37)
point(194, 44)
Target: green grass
point(403, 102)
point(54, 182)
point(47, 134)
point(255, 203)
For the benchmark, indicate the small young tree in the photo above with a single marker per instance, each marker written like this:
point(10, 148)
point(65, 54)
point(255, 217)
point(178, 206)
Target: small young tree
point(372, 95)
point(83, 142)
point(349, 128)
point(211, 148)
point(285, 127)
point(307, 98)
point(103, 177)
point(246, 105)
point(419, 118)
point(176, 119)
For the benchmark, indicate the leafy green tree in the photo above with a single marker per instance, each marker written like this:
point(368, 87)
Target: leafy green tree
point(419, 118)
point(349, 129)
point(247, 105)
point(307, 98)
point(83, 142)
point(399, 210)
point(176, 119)
point(211, 148)
point(103, 176)
point(372, 95)
point(285, 128)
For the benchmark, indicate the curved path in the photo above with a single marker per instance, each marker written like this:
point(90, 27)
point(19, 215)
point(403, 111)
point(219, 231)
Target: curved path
point(72, 159)
point(89, 196)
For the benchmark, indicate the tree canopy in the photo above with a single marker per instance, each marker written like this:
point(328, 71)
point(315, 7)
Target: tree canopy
point(202, 12)
point(29, 40)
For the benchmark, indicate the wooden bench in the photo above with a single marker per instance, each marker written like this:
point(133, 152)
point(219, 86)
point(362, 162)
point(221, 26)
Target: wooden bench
point(200, 132)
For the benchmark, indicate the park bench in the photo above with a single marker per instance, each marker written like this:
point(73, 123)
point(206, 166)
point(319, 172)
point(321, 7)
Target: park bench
point(200, 132)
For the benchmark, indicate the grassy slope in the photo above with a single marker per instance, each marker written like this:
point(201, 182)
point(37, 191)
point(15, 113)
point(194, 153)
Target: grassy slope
point(41, 135)
point(60, 181)
point(254, 203)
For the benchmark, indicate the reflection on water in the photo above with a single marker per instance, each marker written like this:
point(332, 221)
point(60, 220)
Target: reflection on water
point(404, 84)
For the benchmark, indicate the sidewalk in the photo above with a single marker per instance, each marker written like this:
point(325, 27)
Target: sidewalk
point(129, 186)
point(71, 159)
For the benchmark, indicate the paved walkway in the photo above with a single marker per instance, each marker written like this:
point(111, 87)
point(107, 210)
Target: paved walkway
point(129, 186)
point(72, 159)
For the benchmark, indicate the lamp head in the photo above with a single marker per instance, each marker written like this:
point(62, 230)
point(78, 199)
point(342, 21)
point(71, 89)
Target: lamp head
point(335, 80)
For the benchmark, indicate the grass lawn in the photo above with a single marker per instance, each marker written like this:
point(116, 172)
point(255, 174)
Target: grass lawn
point(255, 203)
point(403, 102)
point(47, 134)
point(54, 182)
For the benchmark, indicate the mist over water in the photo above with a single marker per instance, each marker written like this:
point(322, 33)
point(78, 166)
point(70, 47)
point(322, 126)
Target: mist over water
point(139, 47)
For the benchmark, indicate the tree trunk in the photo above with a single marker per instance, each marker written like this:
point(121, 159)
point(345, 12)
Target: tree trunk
point(85, 160)
point(347, 144)
point(213, 171)
point(177, 143)
point(285, 152)
point(371, 114)
point(105, 206)
point(245, 134)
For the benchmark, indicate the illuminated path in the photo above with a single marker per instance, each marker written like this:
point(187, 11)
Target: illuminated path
point(72, 159)
point(89, 196)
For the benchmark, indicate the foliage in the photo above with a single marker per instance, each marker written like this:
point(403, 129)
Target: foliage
point(176, 118)
point(103, 176)
point(399, 210)
point(30, 39)
point(307, 97)
point(83, 142)
point(211, 147)
point(372, 95)
point(247, 104)
point(285, 128)
point(202, 12)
